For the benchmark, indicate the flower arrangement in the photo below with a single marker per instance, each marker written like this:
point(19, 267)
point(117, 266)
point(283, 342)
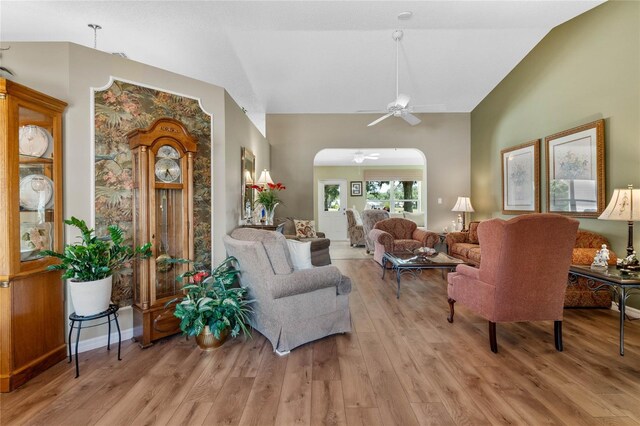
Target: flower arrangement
point(268, 195)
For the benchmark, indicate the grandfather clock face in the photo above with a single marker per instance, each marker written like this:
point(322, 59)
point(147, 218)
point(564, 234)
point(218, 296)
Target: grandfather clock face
point(168, 169)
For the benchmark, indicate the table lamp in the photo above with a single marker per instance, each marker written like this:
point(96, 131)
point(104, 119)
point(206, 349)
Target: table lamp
point(621, 207)
point(265, 178)
point(463, 205)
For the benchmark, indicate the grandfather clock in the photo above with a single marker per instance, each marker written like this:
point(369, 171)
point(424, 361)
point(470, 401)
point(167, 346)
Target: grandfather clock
point(162, 214)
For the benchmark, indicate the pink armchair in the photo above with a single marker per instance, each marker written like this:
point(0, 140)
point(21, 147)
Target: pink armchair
point(523, 274)
point(398, 234)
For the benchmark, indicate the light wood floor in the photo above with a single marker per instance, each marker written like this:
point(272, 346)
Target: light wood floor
point(403, 364)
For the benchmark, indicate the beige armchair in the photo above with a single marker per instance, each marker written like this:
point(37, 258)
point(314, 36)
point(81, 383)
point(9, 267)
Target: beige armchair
point(291, 307)
point(355, 228)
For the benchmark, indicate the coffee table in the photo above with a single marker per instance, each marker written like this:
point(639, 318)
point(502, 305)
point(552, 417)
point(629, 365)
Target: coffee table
point(408, 262)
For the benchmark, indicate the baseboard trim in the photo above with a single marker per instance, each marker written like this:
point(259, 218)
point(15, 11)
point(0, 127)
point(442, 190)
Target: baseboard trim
point(630, 311)
point(100, 341)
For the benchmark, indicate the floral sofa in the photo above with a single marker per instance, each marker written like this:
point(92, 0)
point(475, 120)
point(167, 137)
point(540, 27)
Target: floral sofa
point(466, 246)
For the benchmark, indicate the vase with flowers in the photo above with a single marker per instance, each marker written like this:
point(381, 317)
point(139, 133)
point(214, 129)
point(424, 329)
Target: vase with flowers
point(268, 197)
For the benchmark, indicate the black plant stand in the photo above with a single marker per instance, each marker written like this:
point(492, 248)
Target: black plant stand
point(112, 311)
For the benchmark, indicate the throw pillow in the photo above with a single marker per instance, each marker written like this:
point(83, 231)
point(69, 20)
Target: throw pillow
point(304, 229)
point(473, 233)
point(300, 254)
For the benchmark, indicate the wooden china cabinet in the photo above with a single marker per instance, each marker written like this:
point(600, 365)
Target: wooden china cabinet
point(162, 214)
point(31, 298)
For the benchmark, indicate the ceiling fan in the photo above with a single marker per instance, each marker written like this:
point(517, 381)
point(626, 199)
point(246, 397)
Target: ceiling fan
point(359, 157)
point(400, 107)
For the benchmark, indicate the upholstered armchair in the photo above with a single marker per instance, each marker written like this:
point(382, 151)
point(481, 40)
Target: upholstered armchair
point(355, 228)
point(398, 234)
point(523, 274)
point(369, 219)
point(290, 307)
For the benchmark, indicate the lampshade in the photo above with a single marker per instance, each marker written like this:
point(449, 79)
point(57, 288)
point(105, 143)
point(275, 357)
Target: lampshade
point(247, 178)
point(463, 205)
point(265, 178)
point(624, 205)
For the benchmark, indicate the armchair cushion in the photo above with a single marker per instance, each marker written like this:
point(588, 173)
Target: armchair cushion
point(275, 245)
point(308, 280)
point(427, 238)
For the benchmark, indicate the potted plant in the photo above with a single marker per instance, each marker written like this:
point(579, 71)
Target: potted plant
point(268, 197)
point(90, 264)
point(212, 307)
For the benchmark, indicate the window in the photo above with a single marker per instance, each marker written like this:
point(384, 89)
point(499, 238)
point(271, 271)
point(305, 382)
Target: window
point(397, 196)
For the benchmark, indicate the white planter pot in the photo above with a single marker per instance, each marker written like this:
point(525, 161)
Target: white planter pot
point(90, 297)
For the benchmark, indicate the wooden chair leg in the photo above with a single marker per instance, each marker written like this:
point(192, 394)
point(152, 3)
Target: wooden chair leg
point(451, 302)
point(557, 333)
point(492, 337)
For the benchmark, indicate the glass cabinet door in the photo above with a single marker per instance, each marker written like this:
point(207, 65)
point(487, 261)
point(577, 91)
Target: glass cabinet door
point(36, 183)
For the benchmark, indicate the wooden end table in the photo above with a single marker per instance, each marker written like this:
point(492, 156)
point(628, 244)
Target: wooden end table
point(408, 262)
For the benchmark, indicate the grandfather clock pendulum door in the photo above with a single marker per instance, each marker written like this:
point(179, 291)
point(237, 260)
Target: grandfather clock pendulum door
point(163, 214)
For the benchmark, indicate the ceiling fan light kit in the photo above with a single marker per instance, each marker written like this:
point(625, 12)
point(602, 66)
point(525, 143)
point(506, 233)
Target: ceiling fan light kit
point(400, 107)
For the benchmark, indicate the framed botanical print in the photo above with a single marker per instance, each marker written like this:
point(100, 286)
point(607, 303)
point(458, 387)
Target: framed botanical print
point(521, 178)
point(356, 188)
point(575, 171)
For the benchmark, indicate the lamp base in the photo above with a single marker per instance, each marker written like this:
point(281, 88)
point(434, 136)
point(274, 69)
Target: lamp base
point(630, 240)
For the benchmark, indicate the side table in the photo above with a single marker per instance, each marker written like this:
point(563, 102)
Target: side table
point(263, 227)
point(111, 311)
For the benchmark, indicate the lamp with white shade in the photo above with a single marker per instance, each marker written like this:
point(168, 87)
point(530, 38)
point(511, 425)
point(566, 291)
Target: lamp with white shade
point(621, 207)
point(463, 205)
point(265, 178)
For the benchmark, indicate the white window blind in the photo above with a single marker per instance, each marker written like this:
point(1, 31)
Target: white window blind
point(390, 174)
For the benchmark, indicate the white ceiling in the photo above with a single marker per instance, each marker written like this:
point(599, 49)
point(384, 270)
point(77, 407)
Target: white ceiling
point(387, 157)
point(309, 56)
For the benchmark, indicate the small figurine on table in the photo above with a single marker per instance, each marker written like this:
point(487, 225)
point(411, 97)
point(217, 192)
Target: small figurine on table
point(601, 260)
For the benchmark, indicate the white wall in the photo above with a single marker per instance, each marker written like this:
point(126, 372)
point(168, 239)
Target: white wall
point(443, 138)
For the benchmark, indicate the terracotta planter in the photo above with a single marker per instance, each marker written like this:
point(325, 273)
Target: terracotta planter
point(208, 342)
point(90, 297)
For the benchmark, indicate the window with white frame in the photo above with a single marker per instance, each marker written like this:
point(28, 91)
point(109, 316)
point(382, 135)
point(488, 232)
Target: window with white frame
point(395, 195)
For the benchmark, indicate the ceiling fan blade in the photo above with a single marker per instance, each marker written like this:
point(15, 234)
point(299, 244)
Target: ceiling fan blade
point(403, 100)
point(368, 157)
point(373, 123)
point(411, 119)
point(374, 154)
point(429, 108)
point(371, 111)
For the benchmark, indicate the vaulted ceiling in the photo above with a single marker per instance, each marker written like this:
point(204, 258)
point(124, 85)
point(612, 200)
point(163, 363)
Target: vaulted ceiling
point(310, 56)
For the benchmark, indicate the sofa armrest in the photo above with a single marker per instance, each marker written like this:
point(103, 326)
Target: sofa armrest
point(382, 237)
point(427, 238)
point(320, 234)
point(584, 256)
point(456, 237)
point(468, 271)
point(308, 280)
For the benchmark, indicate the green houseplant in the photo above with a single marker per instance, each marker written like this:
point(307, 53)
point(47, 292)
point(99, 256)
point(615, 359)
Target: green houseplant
point(90, 264)
point(212, 307)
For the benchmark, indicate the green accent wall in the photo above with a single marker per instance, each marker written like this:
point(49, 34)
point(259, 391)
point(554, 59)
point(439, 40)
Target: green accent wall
point(583, 70)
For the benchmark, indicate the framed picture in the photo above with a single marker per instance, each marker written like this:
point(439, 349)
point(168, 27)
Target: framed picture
point(575, 171)
point(356, 188)
point(521, 178)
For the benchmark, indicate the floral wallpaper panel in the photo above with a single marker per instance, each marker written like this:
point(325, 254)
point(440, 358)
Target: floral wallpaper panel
point(124, 107)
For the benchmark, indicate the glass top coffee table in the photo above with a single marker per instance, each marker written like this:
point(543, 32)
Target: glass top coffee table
point(406, 261)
